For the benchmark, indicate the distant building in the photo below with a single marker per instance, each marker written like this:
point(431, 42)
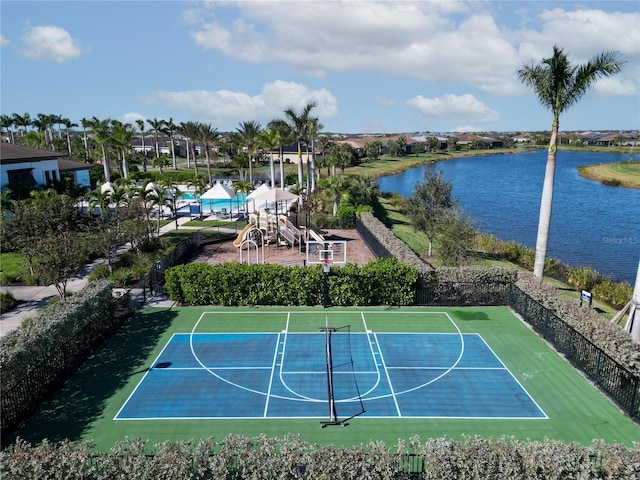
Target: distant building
point(34, 167)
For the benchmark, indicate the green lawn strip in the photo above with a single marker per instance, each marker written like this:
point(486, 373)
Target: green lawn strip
point(625, 174)
point(13, 266)
point(84, 409)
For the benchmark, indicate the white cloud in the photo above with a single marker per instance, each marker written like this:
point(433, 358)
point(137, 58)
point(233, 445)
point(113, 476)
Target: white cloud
point(131, 118)
point(615, 86)
point(225, 108)
point(50, 44)
point(3, 41)
point(445, 42)
point(465, 107)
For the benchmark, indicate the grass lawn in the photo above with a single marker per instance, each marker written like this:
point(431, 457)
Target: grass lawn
point(624, 174)
point(86, 406)
point(13, 267)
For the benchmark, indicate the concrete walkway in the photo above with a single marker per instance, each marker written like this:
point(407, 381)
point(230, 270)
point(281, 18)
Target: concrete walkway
point(34, 298)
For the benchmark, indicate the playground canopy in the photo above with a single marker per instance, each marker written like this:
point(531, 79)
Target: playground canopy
point(275, 195)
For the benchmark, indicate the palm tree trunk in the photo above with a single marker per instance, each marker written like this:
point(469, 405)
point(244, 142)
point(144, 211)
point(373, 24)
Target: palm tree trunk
point(546, 203)
point(272, 171)
point(281, 156)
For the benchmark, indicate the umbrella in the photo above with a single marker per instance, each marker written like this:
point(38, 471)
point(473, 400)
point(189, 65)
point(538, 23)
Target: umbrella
point(219, 192)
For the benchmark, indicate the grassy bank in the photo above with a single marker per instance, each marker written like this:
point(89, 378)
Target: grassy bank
point(619, 174)
point(389, 212)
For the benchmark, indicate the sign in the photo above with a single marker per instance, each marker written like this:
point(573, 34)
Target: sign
point(585, 297)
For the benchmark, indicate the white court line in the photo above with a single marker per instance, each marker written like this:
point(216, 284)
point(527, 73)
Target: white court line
point(143, 377)
point(276, 352)
point(384, 366)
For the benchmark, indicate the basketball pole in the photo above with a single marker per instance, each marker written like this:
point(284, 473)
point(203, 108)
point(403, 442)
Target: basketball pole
point(326, 267)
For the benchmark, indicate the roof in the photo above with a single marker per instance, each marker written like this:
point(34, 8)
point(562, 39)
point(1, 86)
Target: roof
point(70, 166)
point(12, 153)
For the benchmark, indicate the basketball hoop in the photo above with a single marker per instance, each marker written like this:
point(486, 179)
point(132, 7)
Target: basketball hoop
point(326, 265)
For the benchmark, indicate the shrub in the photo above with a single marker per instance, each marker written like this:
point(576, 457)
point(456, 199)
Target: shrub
point(99, 272)
point(7, 302)
point(582, 278)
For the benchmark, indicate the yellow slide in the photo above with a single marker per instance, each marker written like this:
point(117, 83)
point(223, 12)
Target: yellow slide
point(243, 235)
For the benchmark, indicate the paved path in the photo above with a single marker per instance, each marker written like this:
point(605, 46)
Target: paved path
point(34, 298)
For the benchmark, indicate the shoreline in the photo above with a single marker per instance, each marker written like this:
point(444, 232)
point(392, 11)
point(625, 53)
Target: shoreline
point(613, 174)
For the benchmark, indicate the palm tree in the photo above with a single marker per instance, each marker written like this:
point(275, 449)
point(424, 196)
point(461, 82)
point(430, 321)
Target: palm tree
point(101, 130)
point(299, 123)
point(336, 187)
point(7, 124)
point(191, 131)
point(283, 132)
point(68, 125)
point(121, 136)
point(559, 85)
point(169, 129)
point(140, 124)
point(209, 136)
point(269, 140)
point(86, 123)
point(23, 121)
point(313, 127)
point(248, 133)
point(156, 125)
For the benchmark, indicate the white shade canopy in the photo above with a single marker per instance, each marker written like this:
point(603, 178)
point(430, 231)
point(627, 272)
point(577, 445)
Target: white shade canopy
point(275, 195)
point(259, 191)
point(218, 192)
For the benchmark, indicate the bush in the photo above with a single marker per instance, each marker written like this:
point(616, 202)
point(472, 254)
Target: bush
point(346, 215)
point(99, 272)
point(380, 282)
point(7, 302)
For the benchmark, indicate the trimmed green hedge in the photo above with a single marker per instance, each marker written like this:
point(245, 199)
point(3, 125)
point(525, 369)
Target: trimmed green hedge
point(380, 282)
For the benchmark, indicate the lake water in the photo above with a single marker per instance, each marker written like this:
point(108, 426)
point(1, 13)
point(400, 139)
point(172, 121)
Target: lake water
point(591, 225)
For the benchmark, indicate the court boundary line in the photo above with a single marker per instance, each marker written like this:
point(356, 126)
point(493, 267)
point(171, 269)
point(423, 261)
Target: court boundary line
point(366, 332)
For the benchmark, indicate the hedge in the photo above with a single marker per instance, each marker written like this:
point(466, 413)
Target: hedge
point(379, 282)
point(259, 458)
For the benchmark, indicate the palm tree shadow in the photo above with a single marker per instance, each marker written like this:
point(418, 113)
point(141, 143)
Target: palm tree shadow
point(73, 409)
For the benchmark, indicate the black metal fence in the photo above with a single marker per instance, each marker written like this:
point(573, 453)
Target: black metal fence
point(616, 380)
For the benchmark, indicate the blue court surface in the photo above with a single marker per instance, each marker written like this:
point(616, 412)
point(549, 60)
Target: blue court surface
point(286, 375)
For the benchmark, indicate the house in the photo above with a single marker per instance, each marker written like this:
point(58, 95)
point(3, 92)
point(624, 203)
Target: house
point(20, 165)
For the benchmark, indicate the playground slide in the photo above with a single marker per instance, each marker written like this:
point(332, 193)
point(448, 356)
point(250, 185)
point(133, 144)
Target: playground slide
point(243, 234)
point(315, 235)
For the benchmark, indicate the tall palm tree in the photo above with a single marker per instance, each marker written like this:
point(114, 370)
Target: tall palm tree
point(68, 125)
point(140, 124)
point(313, 128)
point(86, 124)
point(209, 136)
point(101, 130)
point(299, 123)
point(156, 126)
point(269, 140)
point(284, 135)
point(121, 137)
point(169, 129)
point(191, 131)
point(559, 85)
point(248, 132)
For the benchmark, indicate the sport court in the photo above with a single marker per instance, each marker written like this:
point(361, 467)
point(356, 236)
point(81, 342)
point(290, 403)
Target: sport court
point(327, 366)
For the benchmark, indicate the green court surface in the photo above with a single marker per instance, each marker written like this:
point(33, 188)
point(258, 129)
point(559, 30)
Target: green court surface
point(166, 376)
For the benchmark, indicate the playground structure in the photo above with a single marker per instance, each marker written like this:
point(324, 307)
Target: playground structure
point(265, 228)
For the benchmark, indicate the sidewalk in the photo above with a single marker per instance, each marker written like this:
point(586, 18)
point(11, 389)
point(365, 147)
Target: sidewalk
point(34, 298)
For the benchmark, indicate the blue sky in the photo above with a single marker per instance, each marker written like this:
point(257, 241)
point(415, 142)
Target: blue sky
point(372, 67)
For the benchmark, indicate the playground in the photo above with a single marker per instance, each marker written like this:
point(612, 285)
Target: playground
point(356, 250)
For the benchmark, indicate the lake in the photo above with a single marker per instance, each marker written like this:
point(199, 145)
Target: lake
point(591, 225)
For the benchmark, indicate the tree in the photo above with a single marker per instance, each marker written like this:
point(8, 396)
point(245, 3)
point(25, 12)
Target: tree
point(248, 133)
point(431, 200)
point(140, 124)
point(191, 131)
point(102, 134)
point(559, 85)
point(336, 188)
point(169, 129)
point(373, 149)
point(7, 124)
point(68, 125)
point(299, 124)
point(60, 256)
point(284, 136)
point(455, 237)
point(269, 139)
point(121, 136)
point(156, 125)
point(209, 137)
